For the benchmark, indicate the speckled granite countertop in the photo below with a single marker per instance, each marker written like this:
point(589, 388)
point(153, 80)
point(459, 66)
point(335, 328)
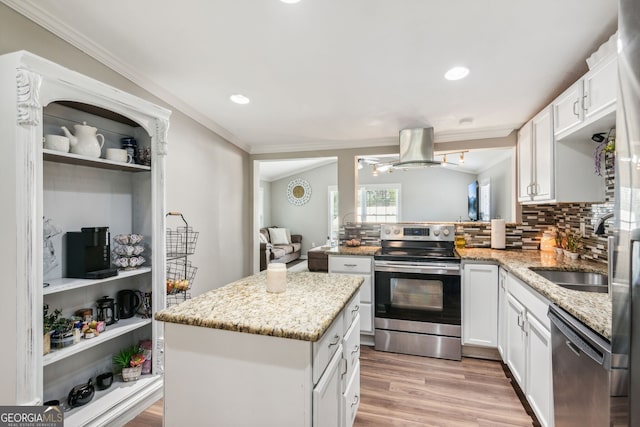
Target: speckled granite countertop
point(303, 312)
point(591, 308)
point(349, 250)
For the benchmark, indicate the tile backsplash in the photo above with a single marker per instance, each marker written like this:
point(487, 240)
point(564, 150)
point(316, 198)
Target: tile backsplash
point(535, 220)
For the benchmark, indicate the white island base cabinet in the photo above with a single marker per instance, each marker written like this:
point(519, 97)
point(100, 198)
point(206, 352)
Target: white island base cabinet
point(217, 377)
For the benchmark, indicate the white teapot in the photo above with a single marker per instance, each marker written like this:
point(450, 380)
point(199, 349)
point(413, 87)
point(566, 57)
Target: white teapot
point(85, 141)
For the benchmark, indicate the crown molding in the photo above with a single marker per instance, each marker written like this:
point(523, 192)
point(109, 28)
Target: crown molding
point(472, 134)
point(322, 145)
point(70, 35)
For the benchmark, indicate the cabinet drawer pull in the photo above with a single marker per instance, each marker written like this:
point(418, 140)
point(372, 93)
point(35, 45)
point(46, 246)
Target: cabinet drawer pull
point(336, 341)
point(575, 108)
point(355, 401)
point(350, 265)
point(355, 349)
point(355, 310)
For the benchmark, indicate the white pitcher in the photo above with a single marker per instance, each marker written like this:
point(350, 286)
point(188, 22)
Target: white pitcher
point(85, 141)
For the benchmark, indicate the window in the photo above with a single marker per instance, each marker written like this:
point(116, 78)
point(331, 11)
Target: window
point(334, 220)
point(378, 203)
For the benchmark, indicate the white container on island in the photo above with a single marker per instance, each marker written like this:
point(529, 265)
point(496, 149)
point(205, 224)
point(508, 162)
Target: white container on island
point(276, 277)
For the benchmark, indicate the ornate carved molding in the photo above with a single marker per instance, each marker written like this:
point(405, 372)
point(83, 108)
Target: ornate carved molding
point(29, 109)
point(162, 130)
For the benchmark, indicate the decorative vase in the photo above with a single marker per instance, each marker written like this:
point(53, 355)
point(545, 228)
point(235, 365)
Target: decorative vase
point(46, 343)
point(131, 374)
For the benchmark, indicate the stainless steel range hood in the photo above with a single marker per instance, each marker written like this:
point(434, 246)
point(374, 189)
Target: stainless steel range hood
point(416, 148)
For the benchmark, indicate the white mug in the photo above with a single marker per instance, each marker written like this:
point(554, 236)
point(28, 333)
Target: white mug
point(118, 155)
point(57, 143)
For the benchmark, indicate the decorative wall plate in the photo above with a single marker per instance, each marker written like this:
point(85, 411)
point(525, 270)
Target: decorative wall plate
point(298, 192)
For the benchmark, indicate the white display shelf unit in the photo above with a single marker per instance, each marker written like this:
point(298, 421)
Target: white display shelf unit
point(74, 192)
point(120, 395)
point(122, 327)
point(67, 284)
point(75, 159)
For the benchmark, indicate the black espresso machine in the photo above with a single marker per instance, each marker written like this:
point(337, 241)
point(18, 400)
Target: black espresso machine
point(89, 253)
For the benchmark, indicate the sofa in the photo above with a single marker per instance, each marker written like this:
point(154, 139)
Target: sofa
point(277, 244)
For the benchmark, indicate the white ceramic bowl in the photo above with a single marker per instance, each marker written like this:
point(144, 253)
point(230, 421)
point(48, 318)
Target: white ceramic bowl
point(57, 143)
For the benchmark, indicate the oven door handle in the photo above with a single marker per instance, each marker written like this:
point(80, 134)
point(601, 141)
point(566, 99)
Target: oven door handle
point(388, 266)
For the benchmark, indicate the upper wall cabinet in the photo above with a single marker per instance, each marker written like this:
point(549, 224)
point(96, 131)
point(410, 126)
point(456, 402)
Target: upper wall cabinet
point(555, 150)
point(535, 159)
point(589, 105)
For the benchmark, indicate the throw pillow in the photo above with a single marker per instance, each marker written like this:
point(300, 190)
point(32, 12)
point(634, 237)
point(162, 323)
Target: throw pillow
point(278, 236)
point(263, 238)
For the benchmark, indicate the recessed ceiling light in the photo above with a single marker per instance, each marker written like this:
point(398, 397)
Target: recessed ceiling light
point(456, 73)
point(238, 98)
point(290, 1)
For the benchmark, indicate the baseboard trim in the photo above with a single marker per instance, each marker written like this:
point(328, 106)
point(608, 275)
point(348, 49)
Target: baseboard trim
point(481, 352)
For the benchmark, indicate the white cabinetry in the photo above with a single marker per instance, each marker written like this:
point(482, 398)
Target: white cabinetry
point(480, 305)
point(351, 375)
point(516, 339)
point(539, 373)
point(551, 171)
point(74, 192)
point(502, 312)
point(567, 109)
point(536, 159)
point(327, 394)
point(359, 266)
point(529, 347)
point(589, 105)
point(254, 379)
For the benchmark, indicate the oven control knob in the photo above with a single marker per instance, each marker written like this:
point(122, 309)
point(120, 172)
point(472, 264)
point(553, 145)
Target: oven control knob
point(396, 231)
point(387, 231)
point(436, 233)
point(445, 231)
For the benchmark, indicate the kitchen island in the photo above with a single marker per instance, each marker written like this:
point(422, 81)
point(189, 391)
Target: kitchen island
point(238, 355)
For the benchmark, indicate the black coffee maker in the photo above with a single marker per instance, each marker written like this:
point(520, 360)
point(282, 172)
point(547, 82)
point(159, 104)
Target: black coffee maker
point(89, 253)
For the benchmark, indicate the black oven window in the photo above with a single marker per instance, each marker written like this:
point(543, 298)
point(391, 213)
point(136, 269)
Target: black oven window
point(416, 294)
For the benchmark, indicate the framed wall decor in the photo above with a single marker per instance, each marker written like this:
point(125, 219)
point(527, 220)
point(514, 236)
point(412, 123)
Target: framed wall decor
point(298, 192)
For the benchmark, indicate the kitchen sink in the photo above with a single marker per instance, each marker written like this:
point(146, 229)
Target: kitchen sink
point(576, 280)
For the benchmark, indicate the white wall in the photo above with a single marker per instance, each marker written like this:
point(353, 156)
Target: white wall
point(501, 179)
point(265, 186)
point(427, 194)
point(311, 220)
point(207, 177)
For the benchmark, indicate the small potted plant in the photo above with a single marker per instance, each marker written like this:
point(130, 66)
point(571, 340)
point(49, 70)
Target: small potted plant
point(559, 242)
point(48, 320)
point(130, 360)
point(573, 244)
point(60, 328)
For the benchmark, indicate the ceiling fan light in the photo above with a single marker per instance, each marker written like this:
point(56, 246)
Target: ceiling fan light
point(375, 171)
point(462, 158)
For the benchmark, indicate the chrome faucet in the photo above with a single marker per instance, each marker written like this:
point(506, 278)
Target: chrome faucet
point(599, 227)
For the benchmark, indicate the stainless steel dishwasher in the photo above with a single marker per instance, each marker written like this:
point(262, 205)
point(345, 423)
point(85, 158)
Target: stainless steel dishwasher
point(581, 365)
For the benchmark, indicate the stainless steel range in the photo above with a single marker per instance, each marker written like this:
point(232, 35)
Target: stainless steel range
point(417, 291)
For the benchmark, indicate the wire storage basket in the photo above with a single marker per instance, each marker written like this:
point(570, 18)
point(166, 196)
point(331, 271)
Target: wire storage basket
point(180, 276)
point(181, 241)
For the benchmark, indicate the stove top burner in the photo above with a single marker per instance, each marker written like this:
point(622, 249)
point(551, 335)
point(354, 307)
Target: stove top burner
point(420, 251)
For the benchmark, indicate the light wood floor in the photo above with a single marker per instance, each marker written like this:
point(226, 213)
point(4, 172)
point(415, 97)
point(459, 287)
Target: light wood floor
point(401, 390)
